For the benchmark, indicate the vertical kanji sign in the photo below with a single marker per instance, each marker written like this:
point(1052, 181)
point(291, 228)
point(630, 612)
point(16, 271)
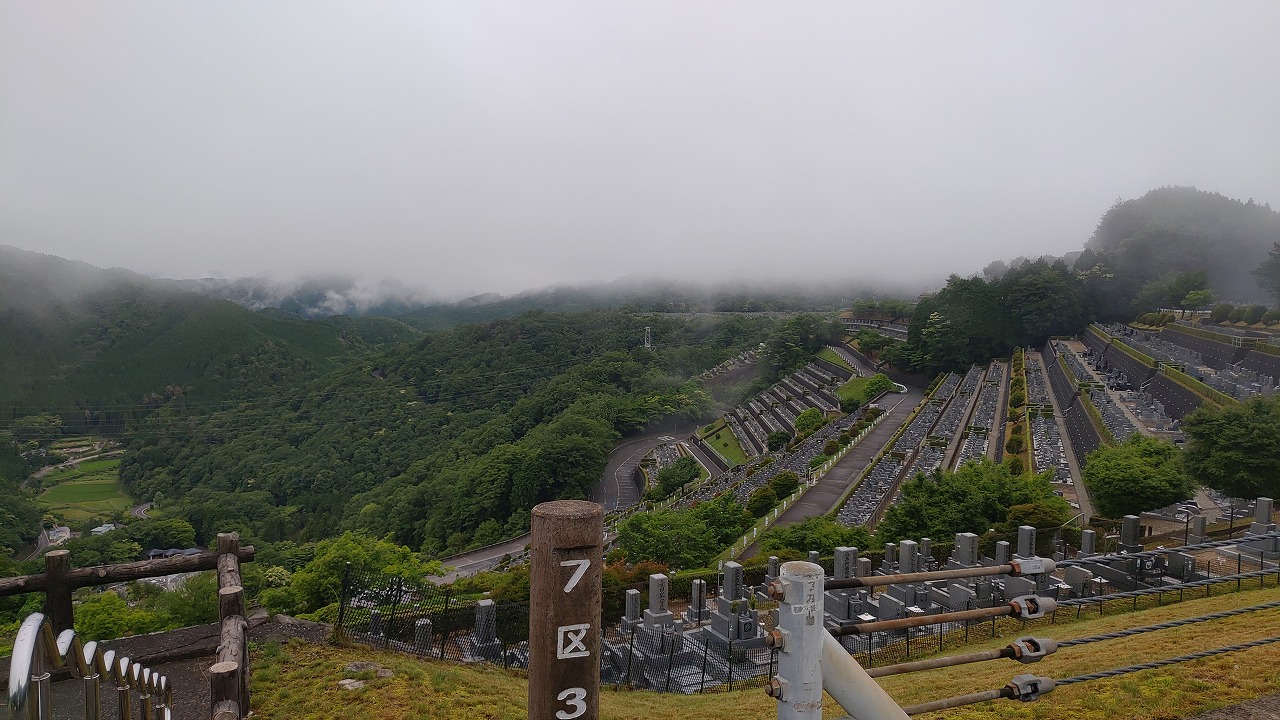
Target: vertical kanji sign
point(564, 614)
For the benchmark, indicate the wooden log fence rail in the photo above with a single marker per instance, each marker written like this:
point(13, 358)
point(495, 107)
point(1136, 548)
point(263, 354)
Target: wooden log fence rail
point(229, 675)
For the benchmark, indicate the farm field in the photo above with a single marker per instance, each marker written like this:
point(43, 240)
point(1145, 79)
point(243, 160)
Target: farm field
point(91, 489)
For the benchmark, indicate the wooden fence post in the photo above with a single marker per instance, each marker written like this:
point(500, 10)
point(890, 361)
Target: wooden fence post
point(57, 596)
point(564, 610)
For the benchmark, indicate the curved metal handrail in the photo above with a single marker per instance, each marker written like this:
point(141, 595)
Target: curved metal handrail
point(37, 653)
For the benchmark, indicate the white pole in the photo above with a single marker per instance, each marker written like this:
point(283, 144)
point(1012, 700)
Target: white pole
point(798, 684)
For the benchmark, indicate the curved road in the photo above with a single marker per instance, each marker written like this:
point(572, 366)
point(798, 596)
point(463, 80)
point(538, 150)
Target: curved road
point(615, 490)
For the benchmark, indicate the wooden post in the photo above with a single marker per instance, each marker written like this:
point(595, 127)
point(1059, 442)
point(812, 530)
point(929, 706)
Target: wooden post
point(228, 549)
point(233, 648)
point(57, 595)
point(224, 691)
point(230, 602)
point(564, 597)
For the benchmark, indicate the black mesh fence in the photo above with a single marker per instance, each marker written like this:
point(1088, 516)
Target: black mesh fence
point(430, 621)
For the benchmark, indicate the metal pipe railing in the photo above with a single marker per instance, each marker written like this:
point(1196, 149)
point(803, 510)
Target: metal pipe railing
point(37, 654)
point(1029, 566)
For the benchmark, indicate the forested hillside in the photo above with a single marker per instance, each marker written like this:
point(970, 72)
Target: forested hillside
point(1174, 230)
point(444, 443)
point(100, 347)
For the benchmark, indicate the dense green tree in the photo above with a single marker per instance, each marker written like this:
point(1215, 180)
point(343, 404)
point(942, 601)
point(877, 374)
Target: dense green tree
point(1138, 475)
point(1253, 314)
point(1221, 312)
point(777, 440)
point(106, 616)
point(1236, 450)
point(1267, 273)
point(876, 384)
point(43, 427)
point(676, 475)
point(974, 498)
point(319, 582)
point(762, 500)
point(816, 533)
point(784, 483)
point(670, 537)
point(808, 421)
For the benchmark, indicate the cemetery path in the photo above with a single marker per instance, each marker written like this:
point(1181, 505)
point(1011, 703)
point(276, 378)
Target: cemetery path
point(821, 497)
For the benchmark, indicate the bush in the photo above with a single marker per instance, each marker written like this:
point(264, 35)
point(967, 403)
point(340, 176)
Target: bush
point(832, 447)
point(1016, 444)
point(1017, 399)
point(1271, 316)
point(1221, 312)
point(784, 483)
point(761, 502)
point(777, 439)
point(1016, 466)
point(1254, 313)
point(1237, 315)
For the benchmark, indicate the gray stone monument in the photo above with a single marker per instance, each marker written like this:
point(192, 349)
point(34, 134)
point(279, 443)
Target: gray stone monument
point(1130, 534)
point(1088, 543)
point(657, 616)
point(1026, 541)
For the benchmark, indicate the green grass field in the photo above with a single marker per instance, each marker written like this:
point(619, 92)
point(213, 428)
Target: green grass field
point(830, 356)
point(91, 489)
point(853, 390)
point(92, 468)
point(727, 445)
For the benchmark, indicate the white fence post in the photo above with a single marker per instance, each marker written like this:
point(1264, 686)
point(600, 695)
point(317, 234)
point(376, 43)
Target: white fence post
point(798, 684)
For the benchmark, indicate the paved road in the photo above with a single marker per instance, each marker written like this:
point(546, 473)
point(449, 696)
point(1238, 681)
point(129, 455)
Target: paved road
point(820, 498)
point(615, 490)
point(481, 559)
point(140, 511)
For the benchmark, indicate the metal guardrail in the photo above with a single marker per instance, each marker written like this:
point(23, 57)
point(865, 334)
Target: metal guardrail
point(37, 653)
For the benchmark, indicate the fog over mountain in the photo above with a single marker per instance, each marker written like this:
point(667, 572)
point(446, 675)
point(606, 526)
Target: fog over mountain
point(441, 150)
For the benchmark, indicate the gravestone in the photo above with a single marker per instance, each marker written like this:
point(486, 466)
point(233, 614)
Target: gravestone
point(1002, 552)
point(1026, 541)
point(484, 643)
point(657, 616)
point(890, 558)
point(1088, 543)
point(1078, 578)
point(966, 550)
point(697, 612)
point(908, 556)
point(1196, 533)
point(862, 568)
point(631, 615)
point(846, 559)
point(422, 636)
point(1130, 534)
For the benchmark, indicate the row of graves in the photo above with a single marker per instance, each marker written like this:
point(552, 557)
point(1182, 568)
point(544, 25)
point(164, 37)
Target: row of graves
point(776, 409)
point(1047, 450)
point(1235, 370)
point(742, 481)
point(717, 641)
point(1145, 406)
point(959, 408)
point(742, 359)
point(982, 423)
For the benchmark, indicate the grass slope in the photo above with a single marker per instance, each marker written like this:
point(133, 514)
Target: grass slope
point(300, 681)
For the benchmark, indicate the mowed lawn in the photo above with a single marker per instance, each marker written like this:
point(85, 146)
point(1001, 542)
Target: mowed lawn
point(90, 489)
point(853, 390)
point(726, 443)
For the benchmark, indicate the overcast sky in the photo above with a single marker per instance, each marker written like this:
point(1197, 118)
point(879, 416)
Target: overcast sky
point(471, 146)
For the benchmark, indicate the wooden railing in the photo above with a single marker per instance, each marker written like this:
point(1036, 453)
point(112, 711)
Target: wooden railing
point(229, 676)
